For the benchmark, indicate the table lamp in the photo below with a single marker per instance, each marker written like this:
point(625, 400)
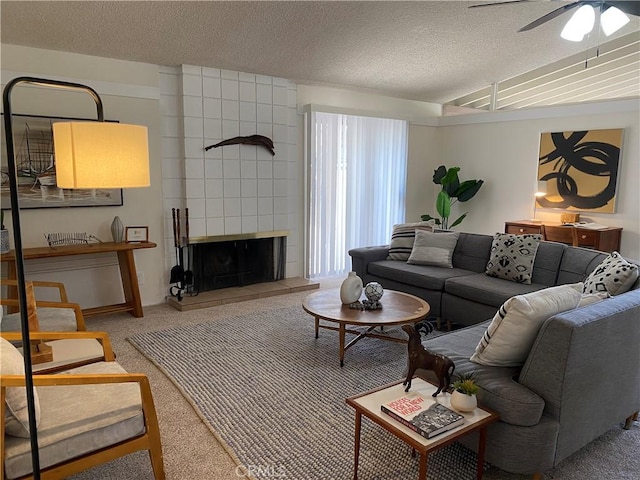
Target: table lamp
point(87, 155)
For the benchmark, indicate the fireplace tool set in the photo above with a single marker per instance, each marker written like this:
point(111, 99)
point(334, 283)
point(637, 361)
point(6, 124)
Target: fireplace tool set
point(181, 280)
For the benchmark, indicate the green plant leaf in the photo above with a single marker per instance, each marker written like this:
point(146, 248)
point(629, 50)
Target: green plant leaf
point(439, 174)
point(459, 220)
point(468, 190)
point(443, 204)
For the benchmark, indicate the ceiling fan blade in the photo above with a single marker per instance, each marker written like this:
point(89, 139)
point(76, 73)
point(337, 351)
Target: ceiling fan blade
point(631, 8)
point(550, 16)
point(498, 3)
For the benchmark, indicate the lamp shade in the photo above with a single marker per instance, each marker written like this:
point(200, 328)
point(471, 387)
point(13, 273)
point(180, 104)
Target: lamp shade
point(579, 24)
point(612, 20)
point(541, 189)
point(100, 155)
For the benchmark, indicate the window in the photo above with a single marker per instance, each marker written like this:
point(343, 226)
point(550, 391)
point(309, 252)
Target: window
point(357, 181)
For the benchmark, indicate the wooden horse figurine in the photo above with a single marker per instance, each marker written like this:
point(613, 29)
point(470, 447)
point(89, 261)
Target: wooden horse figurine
point(420, 357)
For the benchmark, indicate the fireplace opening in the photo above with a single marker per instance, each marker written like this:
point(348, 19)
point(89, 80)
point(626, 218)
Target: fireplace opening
point(238, 262)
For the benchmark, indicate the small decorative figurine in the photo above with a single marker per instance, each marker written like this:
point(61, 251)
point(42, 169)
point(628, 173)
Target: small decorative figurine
point(420, 357)
point(373, 291)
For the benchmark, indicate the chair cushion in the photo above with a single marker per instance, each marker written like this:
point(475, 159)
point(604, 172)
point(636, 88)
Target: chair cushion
point(16, 421)
point(512, 256)
point(78, 419)
point(50, 319)
point(509, 337)
point(434, 249)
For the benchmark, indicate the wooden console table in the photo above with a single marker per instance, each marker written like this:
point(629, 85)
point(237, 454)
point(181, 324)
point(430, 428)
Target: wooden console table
point(606, 240)
point(126, 262)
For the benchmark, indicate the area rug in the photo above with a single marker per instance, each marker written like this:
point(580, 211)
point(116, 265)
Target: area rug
point(274, 395)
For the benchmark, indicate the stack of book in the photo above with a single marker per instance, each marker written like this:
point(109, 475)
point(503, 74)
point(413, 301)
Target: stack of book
point(422, 415)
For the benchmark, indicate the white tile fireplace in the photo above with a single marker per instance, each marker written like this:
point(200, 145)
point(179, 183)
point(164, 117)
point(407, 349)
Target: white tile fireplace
point(235, 189)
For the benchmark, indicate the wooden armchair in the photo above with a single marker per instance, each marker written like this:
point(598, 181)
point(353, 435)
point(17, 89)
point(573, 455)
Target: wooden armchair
point(562, 234)
point(88, 415)
point(55, 316)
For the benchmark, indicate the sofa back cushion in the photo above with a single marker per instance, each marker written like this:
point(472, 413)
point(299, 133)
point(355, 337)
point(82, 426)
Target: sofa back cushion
point(577, 263)
point(472, 252)
point(547, 263)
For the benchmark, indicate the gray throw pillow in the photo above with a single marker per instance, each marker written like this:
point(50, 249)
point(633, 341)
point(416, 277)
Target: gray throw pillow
point(614, 275)
point(512, 257)
point(434, 249)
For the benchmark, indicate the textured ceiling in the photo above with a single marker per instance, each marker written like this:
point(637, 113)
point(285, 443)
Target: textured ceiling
point(430, 51)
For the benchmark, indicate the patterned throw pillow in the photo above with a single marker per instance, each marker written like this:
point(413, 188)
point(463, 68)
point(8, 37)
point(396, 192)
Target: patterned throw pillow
point(402, 239)
point(512, 256)
point(614, 275)
point(434, 249)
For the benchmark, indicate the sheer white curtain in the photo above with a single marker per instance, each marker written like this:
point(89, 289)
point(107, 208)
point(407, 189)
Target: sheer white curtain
point(357, 181)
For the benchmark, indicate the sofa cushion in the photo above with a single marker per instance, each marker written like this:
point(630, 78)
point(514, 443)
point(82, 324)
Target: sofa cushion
point(547, 263)
point(487, 290)
point(577, 263)
point(472, 252)
point(402, 238)
point(16, 415)
point(423, 276)
point(512, 256)
point(614, 275)
point(434, 249)
point(74, 424)
point(499, 391)
point(511, 333)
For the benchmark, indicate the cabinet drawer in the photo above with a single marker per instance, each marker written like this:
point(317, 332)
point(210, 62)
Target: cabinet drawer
point(522, 229)
point(588, 238)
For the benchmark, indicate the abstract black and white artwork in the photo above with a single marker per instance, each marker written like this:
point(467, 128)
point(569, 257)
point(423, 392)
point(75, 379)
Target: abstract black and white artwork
point(580, 169)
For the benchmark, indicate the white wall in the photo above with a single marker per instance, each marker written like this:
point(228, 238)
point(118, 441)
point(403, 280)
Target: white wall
point(502, 149)
point(130, 94)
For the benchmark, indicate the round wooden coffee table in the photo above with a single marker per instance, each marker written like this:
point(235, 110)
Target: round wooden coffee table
point(397, 309)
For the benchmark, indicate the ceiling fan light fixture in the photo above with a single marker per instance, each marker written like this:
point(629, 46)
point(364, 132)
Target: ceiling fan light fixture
point(612, 20)
point(579, 24)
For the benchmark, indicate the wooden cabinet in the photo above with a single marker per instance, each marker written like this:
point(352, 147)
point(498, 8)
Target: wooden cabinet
point(606, 240)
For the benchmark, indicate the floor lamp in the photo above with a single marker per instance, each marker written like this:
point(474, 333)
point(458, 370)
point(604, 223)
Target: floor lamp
point(87, 155)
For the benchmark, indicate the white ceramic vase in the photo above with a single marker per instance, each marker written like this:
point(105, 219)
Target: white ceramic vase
point(351, 289)
point(117, 230)
point(462, 402)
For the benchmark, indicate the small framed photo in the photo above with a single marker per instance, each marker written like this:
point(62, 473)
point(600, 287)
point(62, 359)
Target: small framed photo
point(137, 234)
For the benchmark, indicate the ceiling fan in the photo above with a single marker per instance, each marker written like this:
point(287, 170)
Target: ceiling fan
point(613, 16)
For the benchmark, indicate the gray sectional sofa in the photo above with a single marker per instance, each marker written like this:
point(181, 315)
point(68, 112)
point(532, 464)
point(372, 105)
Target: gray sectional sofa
point(582, 375)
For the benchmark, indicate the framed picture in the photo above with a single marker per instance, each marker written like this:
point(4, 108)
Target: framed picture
point(36, 168)
point(136, 234)
point(580, 169)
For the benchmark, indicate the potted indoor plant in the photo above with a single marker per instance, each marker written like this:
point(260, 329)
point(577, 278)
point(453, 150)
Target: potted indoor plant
point(463, 398)
point(452, 191)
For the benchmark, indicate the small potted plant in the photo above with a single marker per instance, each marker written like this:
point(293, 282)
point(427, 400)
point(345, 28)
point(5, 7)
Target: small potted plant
point(463, 398)
point(4, 235)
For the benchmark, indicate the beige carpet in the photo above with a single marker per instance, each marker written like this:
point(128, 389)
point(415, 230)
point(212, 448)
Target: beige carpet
point(191, 452)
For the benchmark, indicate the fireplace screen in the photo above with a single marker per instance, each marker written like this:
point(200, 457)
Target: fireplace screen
point(238, 263)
